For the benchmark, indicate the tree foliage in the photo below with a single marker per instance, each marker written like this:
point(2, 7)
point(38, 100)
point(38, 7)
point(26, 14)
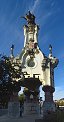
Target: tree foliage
point(21, 98)
point(8, 72)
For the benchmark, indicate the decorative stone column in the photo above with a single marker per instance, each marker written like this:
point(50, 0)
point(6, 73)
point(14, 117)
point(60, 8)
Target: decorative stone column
point(48, 105)
point(48, 65)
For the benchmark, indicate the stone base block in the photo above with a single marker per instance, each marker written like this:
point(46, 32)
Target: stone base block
point(31, 108)
point(13, 109)
point(48, 107)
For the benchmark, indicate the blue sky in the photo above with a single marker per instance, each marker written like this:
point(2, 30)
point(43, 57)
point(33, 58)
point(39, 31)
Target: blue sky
point(50, 17)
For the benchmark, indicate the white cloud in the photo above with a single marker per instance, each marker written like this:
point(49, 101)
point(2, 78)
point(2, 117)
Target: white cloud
point(21, 91)
point(41, 93)
point(34, 6)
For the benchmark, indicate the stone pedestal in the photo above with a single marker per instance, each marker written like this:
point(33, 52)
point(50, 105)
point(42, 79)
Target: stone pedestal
point(31, 108)
point(48, 107)
point(31, 104)
point(48, 104)
point(14, 106)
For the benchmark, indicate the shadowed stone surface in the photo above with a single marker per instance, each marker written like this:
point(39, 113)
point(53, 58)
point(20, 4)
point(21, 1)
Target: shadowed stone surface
point(30, 118)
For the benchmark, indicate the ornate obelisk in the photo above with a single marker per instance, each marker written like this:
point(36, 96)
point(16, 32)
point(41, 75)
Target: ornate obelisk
point(48, 65)
point(30, 58)
point(37, 68)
